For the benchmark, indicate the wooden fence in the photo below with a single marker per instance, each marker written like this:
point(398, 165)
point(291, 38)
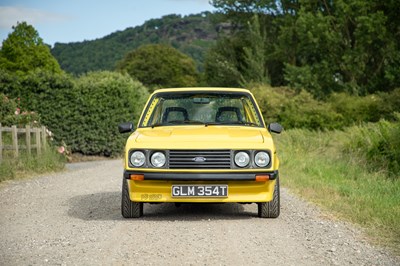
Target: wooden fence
point(39, 136)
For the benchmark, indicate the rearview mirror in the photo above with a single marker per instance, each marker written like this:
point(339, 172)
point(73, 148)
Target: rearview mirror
point(201, 100)
point(125, 127)
point(275, 128)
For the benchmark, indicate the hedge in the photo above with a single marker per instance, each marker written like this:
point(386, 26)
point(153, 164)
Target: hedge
point(83, 113)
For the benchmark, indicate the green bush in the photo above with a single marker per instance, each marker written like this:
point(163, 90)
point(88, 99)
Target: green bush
point(356, 109)
point(391, 101)
point(299, 109)
point(83, 113)
point(106, 99)
point(295, 110)
point(378, 146)
point(7, 110)
point(54, 96)
point(11, 114)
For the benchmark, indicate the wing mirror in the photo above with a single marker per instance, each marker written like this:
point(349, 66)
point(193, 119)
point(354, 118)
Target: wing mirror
point(275, 128)
point(125, 127)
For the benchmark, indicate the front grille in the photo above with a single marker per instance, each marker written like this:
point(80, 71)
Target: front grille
point(199, 159)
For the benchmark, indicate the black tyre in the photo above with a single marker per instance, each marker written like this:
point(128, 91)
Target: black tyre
point(270, 209)
point(129, 209)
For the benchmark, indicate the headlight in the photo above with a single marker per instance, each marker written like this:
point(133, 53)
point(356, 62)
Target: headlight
point(262, 159)
point(138, 158)
point(242, 159)
point(158, 159)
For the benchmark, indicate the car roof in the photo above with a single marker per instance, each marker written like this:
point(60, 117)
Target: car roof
point(202, 89)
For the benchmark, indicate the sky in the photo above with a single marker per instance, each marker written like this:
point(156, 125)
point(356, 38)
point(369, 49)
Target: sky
point(66, 21)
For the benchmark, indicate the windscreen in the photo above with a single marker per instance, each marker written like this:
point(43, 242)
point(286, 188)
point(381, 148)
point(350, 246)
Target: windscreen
point(211, 108)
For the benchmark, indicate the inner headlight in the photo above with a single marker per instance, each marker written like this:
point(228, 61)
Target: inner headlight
point(242, 159)
point(262, 159)
point(137, 158)
point(158, 159)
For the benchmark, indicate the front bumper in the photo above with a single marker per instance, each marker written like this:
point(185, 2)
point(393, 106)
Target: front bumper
point(173, 176)
point(242, 187)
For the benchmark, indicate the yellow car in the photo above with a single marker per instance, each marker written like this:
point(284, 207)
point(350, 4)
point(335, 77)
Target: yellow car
point(200, 145)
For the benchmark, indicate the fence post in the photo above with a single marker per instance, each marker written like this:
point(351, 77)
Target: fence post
point(1, 144)
point(28, 139)
point(44, 137)
point(14, 140)
point(38, 146)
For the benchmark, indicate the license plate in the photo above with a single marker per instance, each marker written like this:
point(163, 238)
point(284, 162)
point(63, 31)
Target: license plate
point(209, 191)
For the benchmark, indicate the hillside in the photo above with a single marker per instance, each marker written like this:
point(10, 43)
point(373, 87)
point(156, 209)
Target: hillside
point(192, 35)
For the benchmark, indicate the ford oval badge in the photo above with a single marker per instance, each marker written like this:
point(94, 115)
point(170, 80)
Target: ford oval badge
point(199, 159)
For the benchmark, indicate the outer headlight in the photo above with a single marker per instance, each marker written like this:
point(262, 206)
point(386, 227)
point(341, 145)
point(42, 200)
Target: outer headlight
point(242, 159)
point(137, 158)
point(158, 159)
point(262, 159)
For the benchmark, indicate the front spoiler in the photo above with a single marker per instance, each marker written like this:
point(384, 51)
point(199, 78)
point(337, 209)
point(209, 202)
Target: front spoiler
point(174, 176)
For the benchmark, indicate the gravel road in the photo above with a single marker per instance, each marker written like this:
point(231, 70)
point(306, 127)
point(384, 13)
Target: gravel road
point(73, 218)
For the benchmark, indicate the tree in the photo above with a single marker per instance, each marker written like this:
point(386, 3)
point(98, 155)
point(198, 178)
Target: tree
point(255, 68)
point(254, 27)
point(221, 67)
point(320, 46)
point(160, 65)
point(25, 51)
point(344, 45)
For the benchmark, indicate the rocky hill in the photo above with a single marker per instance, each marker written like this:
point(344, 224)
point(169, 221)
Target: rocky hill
point(192, 35)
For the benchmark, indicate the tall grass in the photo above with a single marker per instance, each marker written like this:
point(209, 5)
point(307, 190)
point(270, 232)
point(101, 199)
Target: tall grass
point(334, 170)
point(378, 145)
point(27, 165)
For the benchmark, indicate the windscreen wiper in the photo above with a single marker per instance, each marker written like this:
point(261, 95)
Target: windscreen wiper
point(157, 125)
point(231, 123)
point(245, 123)
point(178, 122)
point(192, 122)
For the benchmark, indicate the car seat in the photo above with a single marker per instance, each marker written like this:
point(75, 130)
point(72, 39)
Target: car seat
point(228, 113)
point(176, 111)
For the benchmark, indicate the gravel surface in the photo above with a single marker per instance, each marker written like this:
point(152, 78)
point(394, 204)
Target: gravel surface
point(73, 218)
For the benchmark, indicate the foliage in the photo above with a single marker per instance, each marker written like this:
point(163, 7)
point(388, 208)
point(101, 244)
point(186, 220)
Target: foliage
point(24, 51)
point(296, 109)
point(244, 55)
point(322, 47)
point(83, 113)
point(192, 35)
point(253, 35)
point(11, 114)
point(378, 145)
point(160, 65)
point(220, 66)
point(299, 109)
point(8, 108)
point(255, 67)
point(355, 109)
point(106, 99)
point(347, 47)
point(390, 101)
point(317, 166)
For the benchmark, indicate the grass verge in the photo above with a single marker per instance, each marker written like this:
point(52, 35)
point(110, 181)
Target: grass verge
point(320, 167)
point(50, 160)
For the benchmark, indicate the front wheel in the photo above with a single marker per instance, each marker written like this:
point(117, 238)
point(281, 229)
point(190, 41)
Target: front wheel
point(270, 209)
point(129, 209)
